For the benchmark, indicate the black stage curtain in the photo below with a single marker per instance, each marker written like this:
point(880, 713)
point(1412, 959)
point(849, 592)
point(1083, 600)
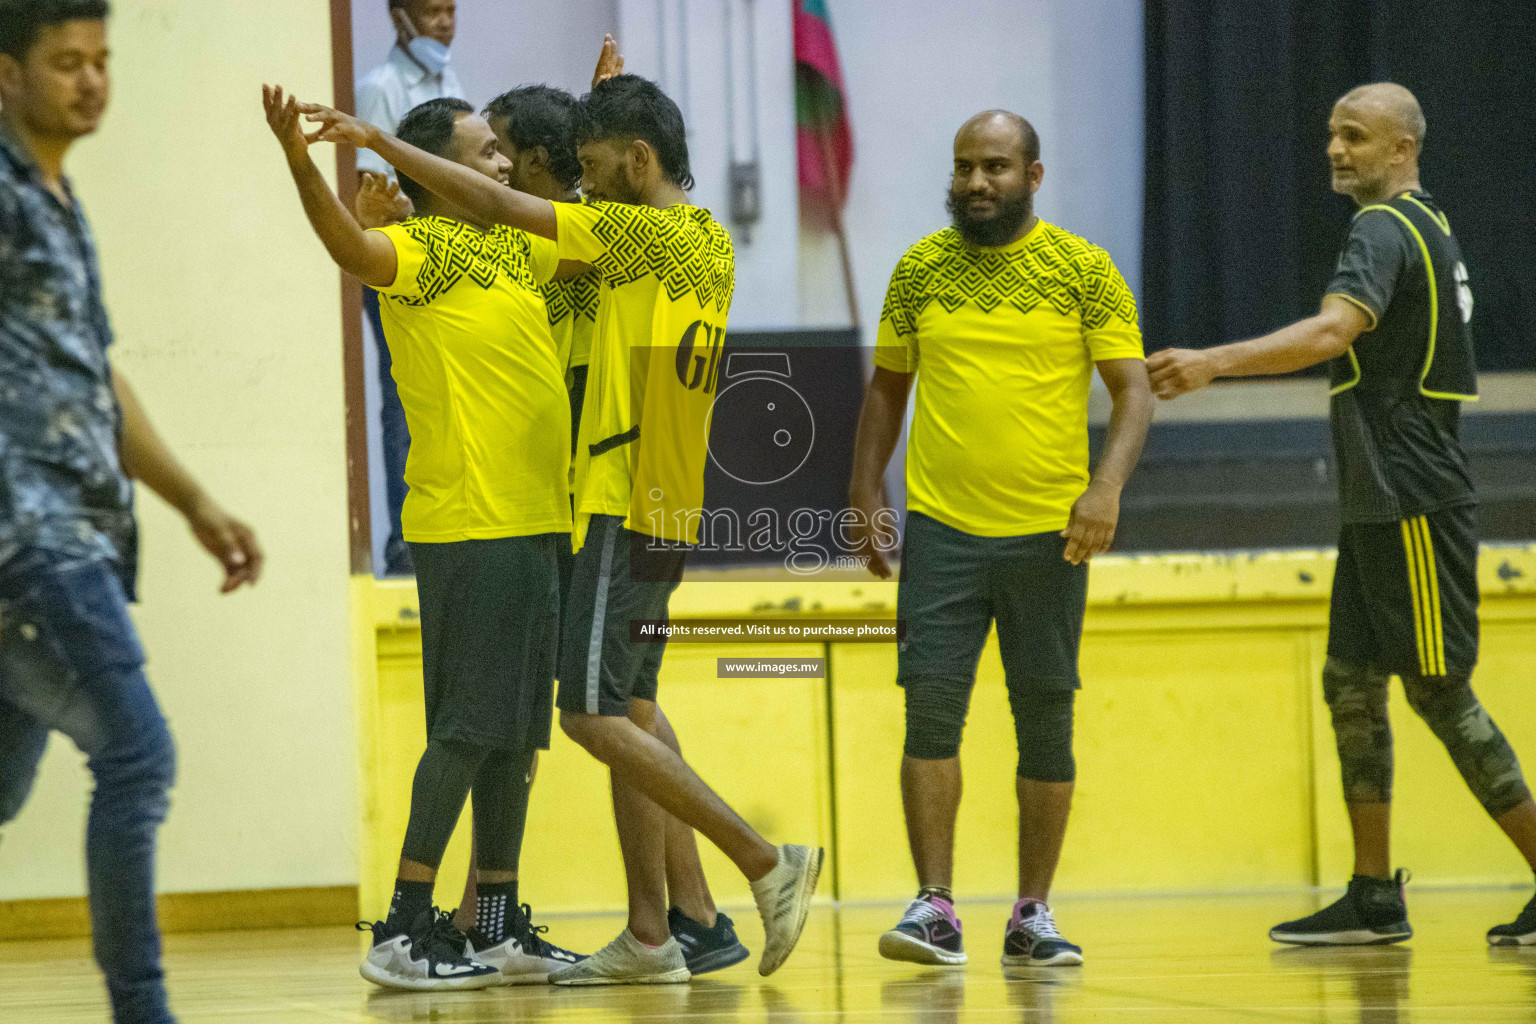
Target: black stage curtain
point(1240, 228)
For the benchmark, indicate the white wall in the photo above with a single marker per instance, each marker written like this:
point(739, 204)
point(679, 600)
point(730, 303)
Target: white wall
point(228, 323)
point(681, 44)
point(915, 70)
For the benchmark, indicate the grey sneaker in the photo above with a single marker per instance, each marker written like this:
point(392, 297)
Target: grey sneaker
point(627, 961)
point(783, 898)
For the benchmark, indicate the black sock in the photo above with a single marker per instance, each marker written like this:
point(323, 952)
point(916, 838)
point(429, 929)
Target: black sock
point(495, 909)
point(941, 891)
point(410, 899)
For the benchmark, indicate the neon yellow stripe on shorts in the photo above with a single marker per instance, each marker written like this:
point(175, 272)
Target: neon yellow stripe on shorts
point(1416, 593)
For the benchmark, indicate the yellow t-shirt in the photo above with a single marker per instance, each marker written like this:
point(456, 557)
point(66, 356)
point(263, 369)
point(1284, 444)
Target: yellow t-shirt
point(667, 276)
point(572, 306)
point(480, 379)
point(1003, 342)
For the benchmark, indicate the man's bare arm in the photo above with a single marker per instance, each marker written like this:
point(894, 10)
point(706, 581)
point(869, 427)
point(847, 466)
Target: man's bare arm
point(369, 257)
point(885, 406)
point(1130, 416)
point(148, 459)
point(1096, 513)
point(1305, 343)
point(481, 197)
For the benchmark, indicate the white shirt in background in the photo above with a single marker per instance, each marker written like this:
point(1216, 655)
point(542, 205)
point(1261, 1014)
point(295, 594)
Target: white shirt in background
point(388, 92)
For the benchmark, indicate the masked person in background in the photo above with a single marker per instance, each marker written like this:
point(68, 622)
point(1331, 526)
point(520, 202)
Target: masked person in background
point(416, 70)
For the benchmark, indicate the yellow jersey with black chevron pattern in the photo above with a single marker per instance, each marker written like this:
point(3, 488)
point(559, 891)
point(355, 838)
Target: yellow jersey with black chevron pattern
point(481, 380)
point(1003, 342)
point(572, 306)
point(666, 281)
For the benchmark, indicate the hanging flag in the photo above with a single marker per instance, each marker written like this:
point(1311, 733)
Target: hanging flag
point(823, 139)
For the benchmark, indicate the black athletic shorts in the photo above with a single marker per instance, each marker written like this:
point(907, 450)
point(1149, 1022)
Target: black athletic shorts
point(489, 618)
point(1405, 595)
point(954, 584)
point(616, 577)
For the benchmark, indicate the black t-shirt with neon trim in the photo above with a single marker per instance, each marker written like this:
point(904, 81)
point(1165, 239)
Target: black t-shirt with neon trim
point(1397, 393)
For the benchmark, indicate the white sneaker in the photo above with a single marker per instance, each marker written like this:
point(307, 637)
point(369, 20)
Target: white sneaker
point(428, 958)
point(783, 898)
point(525, 958)
point(627, 961)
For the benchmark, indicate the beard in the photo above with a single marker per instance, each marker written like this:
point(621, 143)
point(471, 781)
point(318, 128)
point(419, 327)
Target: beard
point(998, 229)
point(618, 188)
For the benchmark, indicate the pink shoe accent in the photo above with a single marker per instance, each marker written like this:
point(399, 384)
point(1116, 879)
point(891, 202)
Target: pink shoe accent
point(946, 908)
point(1018, 911)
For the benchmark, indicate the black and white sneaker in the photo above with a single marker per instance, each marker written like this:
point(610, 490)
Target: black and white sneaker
point(928, 933)
point(1032, 939)
point(1519, 932)
point(429, 957)
point(1371, 912)
point(706, 949)
point(525, 957)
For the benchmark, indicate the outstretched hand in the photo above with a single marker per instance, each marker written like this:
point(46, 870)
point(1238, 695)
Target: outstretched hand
point(380, 201)
point(609, 62)
point(283, 119)
point(1178, 371)
point(337, 127)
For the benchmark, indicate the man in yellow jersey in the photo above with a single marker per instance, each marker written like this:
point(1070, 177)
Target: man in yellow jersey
point(1001, 318)
point(1395, 328)
point(482, 386)
point(533, 131)
point(667, 275)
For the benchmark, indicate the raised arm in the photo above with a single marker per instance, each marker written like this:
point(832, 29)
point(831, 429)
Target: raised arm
point(481, 197)
point(369, 257)
point(1177, 371)
point(885, 404)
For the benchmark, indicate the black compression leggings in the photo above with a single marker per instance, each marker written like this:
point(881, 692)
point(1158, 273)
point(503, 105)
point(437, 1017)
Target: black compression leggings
point(445, 776)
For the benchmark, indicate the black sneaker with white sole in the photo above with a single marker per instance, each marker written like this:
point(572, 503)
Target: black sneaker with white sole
point(928, 933)
point(1519, 932)
point(1032, 939)
point(1372, 912)
point(429, 957)
point(706, 949)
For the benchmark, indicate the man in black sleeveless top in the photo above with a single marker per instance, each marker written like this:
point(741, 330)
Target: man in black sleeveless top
point(1394, 326)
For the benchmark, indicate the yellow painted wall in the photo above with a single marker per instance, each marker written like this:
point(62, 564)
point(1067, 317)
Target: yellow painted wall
point(1205, 758)
point(228, 323)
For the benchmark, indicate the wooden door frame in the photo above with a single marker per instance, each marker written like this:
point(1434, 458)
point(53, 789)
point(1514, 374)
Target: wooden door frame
point(359, 503)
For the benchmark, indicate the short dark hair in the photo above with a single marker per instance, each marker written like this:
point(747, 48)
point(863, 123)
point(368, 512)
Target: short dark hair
point(429, 127)
point(631, 107)
point(22, 21)
point(540, 115)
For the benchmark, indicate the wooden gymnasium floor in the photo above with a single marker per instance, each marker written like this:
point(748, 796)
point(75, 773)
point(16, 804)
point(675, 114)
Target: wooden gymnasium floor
point(1165, 959)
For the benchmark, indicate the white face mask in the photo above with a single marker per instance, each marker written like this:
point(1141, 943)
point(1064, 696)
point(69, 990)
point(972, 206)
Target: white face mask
point(430, 53)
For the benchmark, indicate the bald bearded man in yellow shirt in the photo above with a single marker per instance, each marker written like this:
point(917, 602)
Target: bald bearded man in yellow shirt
point(1001, 319)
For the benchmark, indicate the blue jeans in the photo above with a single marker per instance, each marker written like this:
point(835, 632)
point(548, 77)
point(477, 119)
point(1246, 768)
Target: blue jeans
point(71, 661)
point(396, 437)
